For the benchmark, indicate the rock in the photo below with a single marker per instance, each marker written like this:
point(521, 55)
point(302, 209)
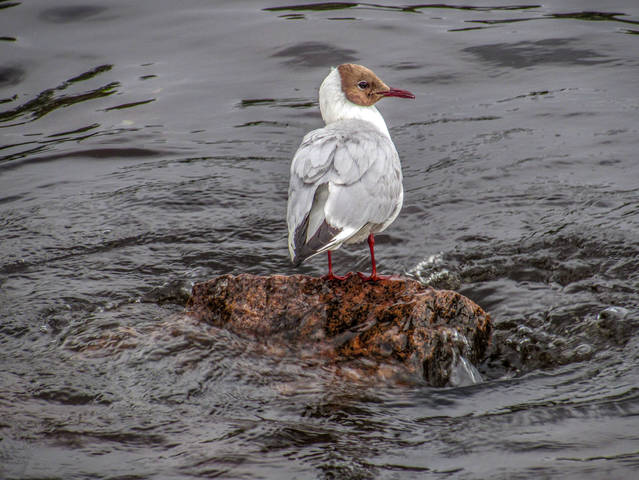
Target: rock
point(366, 326)
point(174, 291)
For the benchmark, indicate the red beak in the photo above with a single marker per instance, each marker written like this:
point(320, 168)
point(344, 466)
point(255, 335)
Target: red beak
point(396, 92)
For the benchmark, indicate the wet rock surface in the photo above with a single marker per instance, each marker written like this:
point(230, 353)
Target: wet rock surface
point(398, 325)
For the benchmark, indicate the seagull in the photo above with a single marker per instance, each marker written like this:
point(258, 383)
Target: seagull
point(346, 178)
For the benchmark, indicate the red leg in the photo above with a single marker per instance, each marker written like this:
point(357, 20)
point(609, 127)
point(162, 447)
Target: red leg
point(330, 275)
point(373, 276)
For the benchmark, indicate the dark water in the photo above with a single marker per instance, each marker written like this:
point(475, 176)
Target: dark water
point(146, 145)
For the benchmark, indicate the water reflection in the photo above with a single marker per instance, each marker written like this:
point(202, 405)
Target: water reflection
point(50, 99)
point(8, 4)
point(587, 16)
point(315, 54)
point(71, 14)
point(129, 105)
point(9, 77)
point(530, 54)
point(324, 6)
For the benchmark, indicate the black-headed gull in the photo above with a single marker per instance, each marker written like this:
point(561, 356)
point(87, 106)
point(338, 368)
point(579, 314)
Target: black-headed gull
point(346, 178)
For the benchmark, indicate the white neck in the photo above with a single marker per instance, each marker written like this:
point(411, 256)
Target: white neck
point(335, 106)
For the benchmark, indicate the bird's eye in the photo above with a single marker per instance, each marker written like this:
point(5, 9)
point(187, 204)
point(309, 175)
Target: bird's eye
point(363, 85)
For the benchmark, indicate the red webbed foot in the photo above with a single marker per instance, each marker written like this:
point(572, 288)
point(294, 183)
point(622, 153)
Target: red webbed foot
point(332, 276)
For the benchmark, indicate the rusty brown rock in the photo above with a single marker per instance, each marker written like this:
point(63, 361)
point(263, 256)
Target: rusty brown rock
point(389, 322)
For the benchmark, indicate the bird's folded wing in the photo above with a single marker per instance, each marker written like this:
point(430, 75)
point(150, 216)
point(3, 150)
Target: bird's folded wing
point(360, 169)
point(340, 153)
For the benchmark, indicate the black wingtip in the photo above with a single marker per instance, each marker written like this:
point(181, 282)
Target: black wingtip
point(322, 237)
point(301, 254)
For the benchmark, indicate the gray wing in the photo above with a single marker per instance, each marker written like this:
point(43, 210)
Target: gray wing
point(343, 177)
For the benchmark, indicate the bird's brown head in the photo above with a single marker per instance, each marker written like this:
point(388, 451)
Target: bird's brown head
point(362, 87)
